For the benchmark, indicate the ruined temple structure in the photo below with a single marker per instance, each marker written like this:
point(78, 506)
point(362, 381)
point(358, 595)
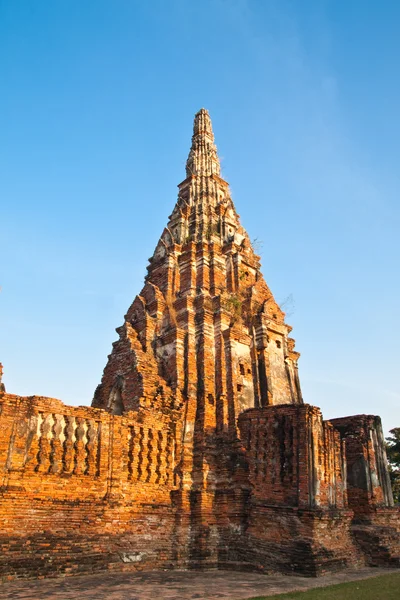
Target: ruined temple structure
point(198, 450)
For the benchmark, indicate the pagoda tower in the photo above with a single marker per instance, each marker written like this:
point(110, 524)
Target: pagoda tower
point(205, 331)
point(203, 342)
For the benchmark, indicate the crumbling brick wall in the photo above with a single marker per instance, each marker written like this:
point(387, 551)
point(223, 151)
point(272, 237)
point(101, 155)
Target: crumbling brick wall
point(298, 519)
point(295, 458)
point(82, 489)
point(376, 522)
point(367, 472)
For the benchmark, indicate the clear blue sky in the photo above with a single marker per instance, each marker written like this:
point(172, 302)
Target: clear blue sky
point(96, 107)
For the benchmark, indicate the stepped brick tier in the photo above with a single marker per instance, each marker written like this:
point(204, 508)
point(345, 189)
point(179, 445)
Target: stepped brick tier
point(198, 451)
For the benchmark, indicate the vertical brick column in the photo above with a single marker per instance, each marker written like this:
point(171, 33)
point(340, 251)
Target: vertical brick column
point(367, 472)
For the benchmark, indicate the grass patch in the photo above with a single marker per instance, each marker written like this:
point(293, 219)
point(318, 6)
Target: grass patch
point(384, 587)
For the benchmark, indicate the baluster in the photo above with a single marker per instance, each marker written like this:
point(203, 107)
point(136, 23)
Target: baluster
point(160, 457)
point(150, 449)
point(43, 456)
point(91, 448)
point(69, 443)
point(56, 453)
point(140, 466)
point(80, 447)
point(168, 458)
point(32, 442)
point(131, 445)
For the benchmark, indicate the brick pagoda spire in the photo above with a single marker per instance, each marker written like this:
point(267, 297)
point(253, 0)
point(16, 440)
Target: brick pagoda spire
point(202, 342)
point(205, 329)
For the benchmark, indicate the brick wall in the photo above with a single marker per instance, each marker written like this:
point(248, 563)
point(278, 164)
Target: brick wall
point(367, 473)
point(295, 458)
point(298, 519)
point(82, 489)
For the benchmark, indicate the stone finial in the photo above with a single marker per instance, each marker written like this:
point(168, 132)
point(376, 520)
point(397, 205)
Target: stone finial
point(203, 158)
point(202, 123)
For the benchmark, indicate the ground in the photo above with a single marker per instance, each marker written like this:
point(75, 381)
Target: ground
point(169, 585)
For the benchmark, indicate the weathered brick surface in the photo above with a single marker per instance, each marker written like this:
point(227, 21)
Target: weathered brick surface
point(294, 457)
point(376, 524)
point(297, 513)
point(83, 489)
point(367, 474)
point(198, 450)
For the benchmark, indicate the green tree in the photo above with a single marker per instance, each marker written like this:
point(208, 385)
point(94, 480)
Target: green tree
point(393, 454)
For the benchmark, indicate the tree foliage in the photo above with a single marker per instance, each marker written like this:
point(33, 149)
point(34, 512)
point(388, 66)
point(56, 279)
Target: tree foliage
point(393, 454)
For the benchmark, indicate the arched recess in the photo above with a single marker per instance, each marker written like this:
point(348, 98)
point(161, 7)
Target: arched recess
point(115, 404)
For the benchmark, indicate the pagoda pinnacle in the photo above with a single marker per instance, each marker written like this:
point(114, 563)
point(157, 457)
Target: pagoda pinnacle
point(203, 158)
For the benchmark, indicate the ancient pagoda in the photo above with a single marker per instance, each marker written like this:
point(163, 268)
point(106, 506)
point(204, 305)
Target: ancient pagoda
point(198, 450)
point(205, 332)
